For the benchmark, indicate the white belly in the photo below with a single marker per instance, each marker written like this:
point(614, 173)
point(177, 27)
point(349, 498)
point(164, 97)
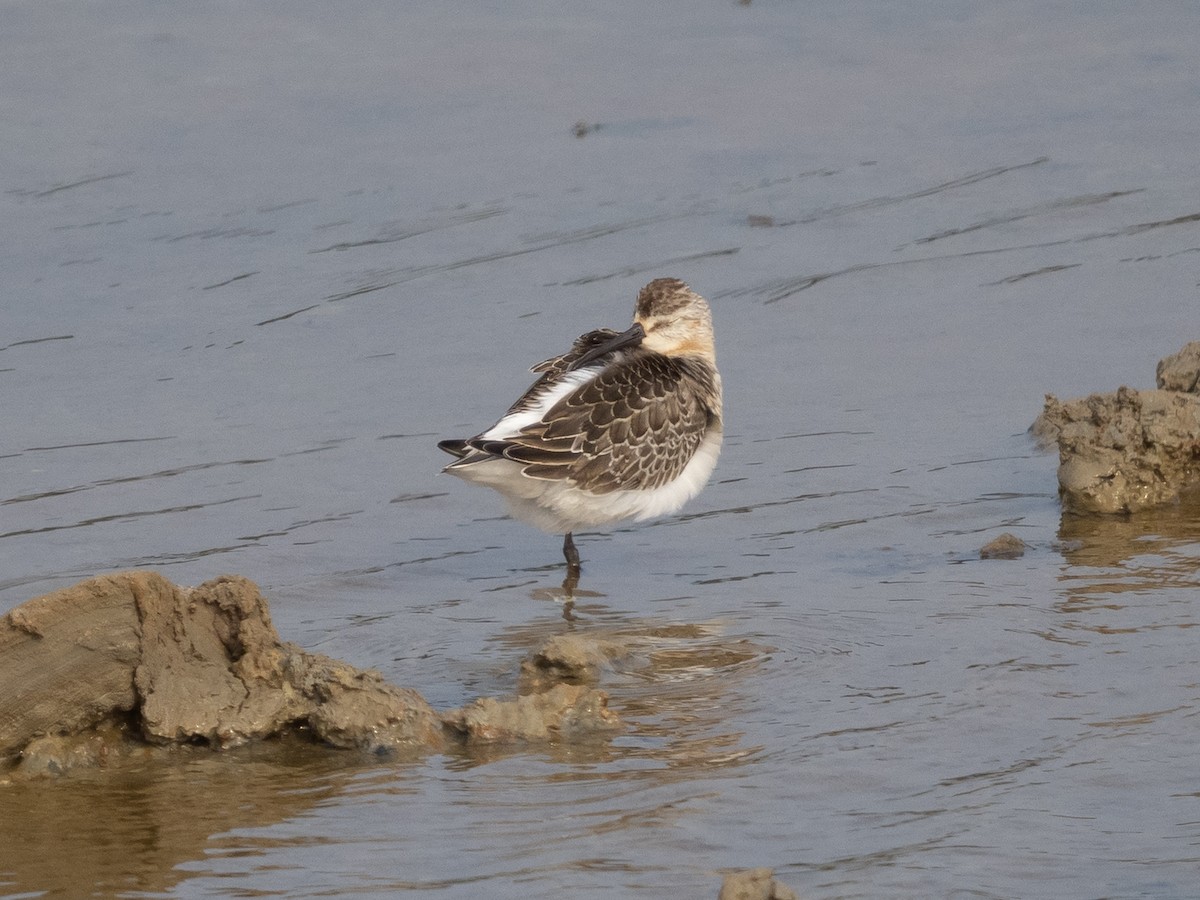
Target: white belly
point(559, 507)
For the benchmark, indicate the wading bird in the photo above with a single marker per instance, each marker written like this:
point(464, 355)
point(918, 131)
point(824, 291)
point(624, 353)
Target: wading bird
point(623, 426)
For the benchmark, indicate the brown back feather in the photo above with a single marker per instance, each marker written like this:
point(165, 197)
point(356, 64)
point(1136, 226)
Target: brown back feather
point(634, 427)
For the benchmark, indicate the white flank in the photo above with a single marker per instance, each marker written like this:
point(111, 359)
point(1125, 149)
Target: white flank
point(558, 507)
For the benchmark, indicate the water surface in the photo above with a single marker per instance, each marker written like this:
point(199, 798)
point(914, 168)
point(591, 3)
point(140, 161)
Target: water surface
point(257, 261)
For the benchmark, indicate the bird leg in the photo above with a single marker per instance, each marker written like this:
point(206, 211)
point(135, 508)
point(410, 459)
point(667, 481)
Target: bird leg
point(572, 580)
point(572, 555)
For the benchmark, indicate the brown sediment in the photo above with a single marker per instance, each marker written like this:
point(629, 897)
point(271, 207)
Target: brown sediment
point(754, 884)
point(1180, 371)
point(131, 659)
point(562, 712)
point(1006, 546)
point(569, 659)
point(556, 698)
point(1129, 450)
point(128, 665)
point(183, 665)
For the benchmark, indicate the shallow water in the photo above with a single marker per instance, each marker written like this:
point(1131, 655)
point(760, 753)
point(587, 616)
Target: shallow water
point(258, 260)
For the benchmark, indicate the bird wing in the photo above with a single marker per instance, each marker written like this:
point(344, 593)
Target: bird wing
point(556, 380)
point(634, 426)
point(553, 369)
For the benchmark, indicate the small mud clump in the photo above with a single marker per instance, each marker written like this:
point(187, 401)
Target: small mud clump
point(1180, 371)
point(755, 884)
point(1006, 546)
point(564, 712)
point(568, 659)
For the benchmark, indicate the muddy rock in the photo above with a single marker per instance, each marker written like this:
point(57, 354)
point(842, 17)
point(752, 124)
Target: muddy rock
point(566, 711)
point(1126, 451)
point(755, 884)
point(1129, 450)
point(356, 709)
point(1180, 371)
point(1006, 546)
point(569, 659)
point(173, 664)
point(67, 660)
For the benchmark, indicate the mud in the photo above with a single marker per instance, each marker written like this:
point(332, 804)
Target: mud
point(563, 712)
point(102, 670)
point(754, 884)
point(570, 659)
point(1180, 371)
point(1006, 546)
point(1129, 450)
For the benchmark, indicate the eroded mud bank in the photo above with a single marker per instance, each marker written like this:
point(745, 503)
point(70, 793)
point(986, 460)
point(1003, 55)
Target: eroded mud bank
point(1129, 450)
point(132, 657)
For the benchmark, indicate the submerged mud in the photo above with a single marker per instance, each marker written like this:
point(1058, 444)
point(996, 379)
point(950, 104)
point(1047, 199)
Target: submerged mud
point(1129, 450)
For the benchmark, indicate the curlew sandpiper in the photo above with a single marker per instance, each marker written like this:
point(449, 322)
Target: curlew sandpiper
point(624, 425)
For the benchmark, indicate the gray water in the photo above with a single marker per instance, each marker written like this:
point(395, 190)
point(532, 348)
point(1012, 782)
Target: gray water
point(258, 258)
